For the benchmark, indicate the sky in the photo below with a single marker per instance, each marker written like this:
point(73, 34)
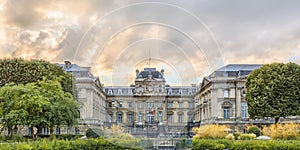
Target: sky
point(189, 39)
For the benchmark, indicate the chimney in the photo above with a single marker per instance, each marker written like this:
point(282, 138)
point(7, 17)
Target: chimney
point(68, 64)
point(162, 72)
point(137, 72)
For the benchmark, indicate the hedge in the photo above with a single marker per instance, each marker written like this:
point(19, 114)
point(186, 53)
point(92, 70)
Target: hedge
point(82, 144)
point(199, 144)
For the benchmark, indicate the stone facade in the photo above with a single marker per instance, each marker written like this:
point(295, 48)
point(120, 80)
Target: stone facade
point(150, 101)
point(222, 97)
point(91, 97)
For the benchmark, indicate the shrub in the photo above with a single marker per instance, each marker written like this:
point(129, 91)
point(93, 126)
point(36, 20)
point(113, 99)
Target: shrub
point(230, 136)
point(236, 135)
point(94, 133)
point(255, 130)
point(125, 139)
point(202, 144)
point(210, 131)
point(199, 144)
point(250, 136)
point(85, 144)
point(287, 131)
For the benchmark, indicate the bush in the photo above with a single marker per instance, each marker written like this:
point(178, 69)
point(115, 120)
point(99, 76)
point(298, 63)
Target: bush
point(250, 136)
point(94, 133)
point(236, 135)
point(183, 143)
point(210, 132)
point(287, 131)
point(230, 136)
point(124, 139)
point(201, 144)
point(84, 144)
point(255, 130)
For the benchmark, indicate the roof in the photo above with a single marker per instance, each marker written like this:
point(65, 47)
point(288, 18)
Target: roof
point(239, 67)
point(73, 67)
point(235, 70)
point(76, 70)
point(149, 71)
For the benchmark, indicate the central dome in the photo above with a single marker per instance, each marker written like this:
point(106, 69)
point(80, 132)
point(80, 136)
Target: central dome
point(150, 72)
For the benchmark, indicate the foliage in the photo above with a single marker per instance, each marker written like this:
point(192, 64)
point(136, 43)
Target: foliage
point(210, 131)
point(183, 143)
point(113, 131)
point(125, 139)
point(38, 104)
point(230, 136)
point(80, 144)
point(287, 131)
point(201, 144)
point(273, 91)
point(255, 130)
point(236, 135)
point(20, 71)
point(250, 136)
point(94, 133)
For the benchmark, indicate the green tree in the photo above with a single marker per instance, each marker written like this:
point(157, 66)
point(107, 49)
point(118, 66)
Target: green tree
point(20, 71)
point(37, 104)
point(273, 91)
point(21, 105)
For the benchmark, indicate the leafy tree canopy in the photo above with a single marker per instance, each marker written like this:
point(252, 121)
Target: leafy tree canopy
point(20, 71)
point(37, 104)
point(274, 91)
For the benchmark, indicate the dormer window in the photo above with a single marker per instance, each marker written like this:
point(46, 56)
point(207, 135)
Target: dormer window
point(140, 90)
point(110, 92)
point(170, 92)
point(119, 91)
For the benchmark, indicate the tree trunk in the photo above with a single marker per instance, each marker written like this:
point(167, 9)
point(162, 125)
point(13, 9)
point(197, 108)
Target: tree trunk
point(10, 133)
point(276, 121)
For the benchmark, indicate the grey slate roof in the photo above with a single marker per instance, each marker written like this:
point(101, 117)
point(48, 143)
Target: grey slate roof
point(239, 67)
point(76, 70)
point(149, 71)
point(235, 70)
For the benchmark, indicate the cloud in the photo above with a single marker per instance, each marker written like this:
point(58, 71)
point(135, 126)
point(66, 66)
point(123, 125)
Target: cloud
point(114, 37)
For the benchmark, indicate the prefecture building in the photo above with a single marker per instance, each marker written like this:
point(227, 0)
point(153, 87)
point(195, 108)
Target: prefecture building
point(150, 105)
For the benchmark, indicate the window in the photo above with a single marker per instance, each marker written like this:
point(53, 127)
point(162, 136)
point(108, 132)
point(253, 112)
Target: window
point(226, 93)
point(180, 118)
point(110, 92)
point(140, 105)
point(170, 118)
point(191, 105)
point(170, 104)
point(159, 104)
point(160, 116)
point(150, 117)
point(150, 105)
point(140, 89)
point(129, 118)
point(140, 117)
point(190, 117)
point(180, 104)
point(110, 104)
point(226, 112)
point(110, 117)
point(129, 104)
point(120, 118)
point(244, 110)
